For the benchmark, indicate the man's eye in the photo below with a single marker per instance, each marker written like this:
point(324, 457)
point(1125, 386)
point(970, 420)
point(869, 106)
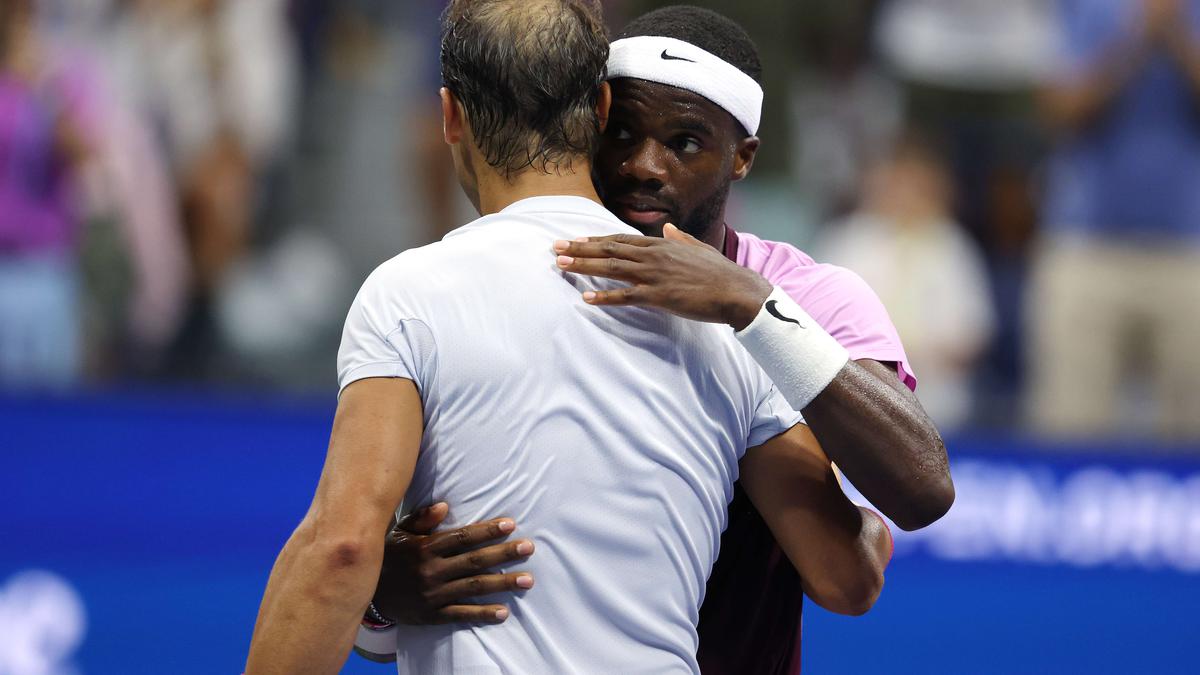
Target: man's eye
point(688, 145)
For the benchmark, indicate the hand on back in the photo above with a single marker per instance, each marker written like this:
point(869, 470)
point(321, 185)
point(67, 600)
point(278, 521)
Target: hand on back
point(677, 273)
point(430, 578)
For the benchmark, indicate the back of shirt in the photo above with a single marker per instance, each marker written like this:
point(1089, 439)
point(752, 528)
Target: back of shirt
point(611, 435)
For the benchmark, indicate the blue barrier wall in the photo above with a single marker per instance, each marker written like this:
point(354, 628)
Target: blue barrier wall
point(137, 531)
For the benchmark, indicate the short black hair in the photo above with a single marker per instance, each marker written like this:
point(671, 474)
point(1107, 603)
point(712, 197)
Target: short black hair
point(714, 33)
point(528, 74)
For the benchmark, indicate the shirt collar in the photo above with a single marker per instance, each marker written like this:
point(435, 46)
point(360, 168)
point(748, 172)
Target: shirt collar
point(557, 204)
point(731, 244)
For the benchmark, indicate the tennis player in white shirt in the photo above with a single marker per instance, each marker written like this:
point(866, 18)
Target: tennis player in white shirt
point(474, 373)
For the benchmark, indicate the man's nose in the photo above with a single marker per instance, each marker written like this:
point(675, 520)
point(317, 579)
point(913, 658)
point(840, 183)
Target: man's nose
point(646, 164)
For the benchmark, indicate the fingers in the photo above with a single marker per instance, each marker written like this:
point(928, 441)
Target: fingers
point(632, 295)
point(630, 239)
point(609, 268)
point(483, 559)
point(463, 539)
point(424, 520)
point(604, 248)
point(485, 584)
point(672, 233)
point(471, 614)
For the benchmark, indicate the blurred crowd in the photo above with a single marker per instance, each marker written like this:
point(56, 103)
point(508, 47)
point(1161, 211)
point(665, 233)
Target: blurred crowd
point(192, 190)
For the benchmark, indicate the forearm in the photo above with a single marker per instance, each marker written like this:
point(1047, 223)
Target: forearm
point(313, 604)
point(879, 436)
point(1185, 49)
point(852, 575)
point(1073, 106)
point(839, 549)
point(866, 421)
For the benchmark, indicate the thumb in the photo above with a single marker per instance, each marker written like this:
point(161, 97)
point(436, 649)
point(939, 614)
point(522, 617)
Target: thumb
point(424, 520)
point(672, 233)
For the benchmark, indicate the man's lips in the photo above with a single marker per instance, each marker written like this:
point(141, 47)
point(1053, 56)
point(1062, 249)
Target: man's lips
point(642, 212)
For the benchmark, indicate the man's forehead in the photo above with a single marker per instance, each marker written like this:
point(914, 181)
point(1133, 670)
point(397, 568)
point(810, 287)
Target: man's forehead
point(656, 96)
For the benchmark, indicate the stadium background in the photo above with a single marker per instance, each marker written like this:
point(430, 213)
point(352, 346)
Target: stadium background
point(164, 436)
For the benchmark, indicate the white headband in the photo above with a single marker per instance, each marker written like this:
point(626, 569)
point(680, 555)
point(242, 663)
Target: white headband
point(681, 64)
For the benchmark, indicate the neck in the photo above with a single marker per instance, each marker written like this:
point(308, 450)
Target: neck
point(496, 193)
point(716, 235)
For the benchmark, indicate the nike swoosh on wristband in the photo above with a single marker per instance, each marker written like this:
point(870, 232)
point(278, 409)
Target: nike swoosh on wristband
point(668, 57)
point(775, 313)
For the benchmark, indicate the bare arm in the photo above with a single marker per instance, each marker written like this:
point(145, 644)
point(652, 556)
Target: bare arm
point(866, 419)
point(839, 549)
point(878, 434)
point(1075, 105)
point(1184, 48)
point(325, 575)
point(1072, 106)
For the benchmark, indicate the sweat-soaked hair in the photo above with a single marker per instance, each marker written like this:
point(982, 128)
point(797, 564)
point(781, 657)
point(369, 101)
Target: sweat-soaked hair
point(528, 75)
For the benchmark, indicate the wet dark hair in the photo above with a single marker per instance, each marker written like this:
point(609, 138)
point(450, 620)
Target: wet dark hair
point(716, 34)
point(528, 75)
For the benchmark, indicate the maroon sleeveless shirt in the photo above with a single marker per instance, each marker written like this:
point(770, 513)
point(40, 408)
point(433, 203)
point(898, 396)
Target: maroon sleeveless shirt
point(750, 619)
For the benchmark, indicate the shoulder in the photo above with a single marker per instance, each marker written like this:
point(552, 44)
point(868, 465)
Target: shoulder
point(837, 298)
point(765, 256)
point(403, 267)
point(802, 277)
point(459, 249)
point(408, 281)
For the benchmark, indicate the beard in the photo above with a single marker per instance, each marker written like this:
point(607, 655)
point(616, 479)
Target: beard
point(701, 221)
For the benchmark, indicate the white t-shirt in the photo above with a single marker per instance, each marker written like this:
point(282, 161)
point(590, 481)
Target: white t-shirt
point(611, 435)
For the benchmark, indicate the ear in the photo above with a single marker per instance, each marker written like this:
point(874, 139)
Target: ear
point(743, 157)
point(603, 105)
point(452, 117)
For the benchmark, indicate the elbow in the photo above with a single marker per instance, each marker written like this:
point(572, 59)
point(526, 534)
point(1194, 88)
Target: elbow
point(928, 505)
point(338, 551)
point(863, 599)
point(929, 489)
point(345, 553)
point(852, 587)
point(854, 598)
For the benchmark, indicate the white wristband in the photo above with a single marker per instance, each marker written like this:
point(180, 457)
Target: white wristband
point(377, 645)
point(795, 352)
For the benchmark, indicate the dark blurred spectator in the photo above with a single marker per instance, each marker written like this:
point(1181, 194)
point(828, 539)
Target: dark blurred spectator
point(371, 119)
point(48, 122)
point(135, 263)
point(845, 111)
point(217, 78)
point(370, 177)
point(970, 68)
point(1117, 282)
point(92, 248)
point(928, 272)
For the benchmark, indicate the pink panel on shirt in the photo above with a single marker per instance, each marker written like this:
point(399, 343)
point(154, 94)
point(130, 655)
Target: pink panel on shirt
point(834, 297)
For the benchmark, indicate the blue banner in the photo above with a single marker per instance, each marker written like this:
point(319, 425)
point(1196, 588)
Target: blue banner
point(138, 531)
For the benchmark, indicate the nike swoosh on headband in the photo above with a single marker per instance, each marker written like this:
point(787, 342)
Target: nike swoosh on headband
point(668, 57)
